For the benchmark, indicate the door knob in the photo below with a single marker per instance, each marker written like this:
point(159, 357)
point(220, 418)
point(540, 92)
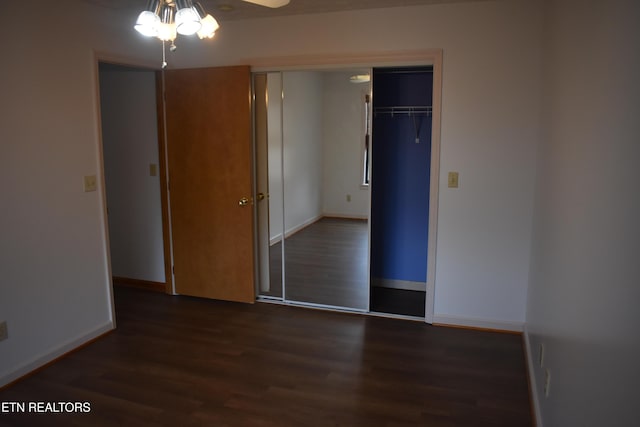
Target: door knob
point(260, 196)
point(243, 202)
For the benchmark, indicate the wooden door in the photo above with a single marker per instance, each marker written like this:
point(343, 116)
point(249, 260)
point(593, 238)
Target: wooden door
point(208, 119)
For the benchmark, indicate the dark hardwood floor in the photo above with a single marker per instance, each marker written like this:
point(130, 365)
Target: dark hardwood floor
point(181, 361)
point(325, 263)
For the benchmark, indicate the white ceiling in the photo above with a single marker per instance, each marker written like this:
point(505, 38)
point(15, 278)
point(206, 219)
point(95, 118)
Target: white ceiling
point(244, 10)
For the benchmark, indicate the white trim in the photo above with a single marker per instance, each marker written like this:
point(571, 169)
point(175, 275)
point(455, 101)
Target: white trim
point(478, 323)
point(399, 284)
point(345, 216)
point(314, 306)
point(533, 386)
point(165, 138)
point(434, 183)
point(354, 60)
point(102, 189)
point(293, 230)
point(52, 355)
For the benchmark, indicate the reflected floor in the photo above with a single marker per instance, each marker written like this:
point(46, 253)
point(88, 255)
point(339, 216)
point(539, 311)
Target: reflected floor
point(326, 263)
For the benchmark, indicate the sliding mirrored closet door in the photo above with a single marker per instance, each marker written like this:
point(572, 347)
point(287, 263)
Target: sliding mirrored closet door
point(312, 154)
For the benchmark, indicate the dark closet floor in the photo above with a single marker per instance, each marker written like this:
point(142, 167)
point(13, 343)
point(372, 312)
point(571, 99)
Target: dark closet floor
point(398, 301)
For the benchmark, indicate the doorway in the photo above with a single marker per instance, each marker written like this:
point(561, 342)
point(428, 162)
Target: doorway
point(133, 176)
point(401, 141)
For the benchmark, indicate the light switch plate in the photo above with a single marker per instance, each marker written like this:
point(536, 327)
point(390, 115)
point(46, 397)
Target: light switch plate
point(153, 169)
point(453, 180)
point(90, 183)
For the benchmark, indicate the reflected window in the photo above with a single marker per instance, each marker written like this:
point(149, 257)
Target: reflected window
point(366, 158)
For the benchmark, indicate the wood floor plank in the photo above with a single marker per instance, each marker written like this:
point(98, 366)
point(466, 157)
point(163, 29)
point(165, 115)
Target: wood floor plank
point(189, 362)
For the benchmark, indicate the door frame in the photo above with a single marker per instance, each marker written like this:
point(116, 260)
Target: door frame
point(428, 57)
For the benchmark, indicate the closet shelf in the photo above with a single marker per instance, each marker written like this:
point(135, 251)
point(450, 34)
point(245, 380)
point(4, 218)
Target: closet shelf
point(413, 110)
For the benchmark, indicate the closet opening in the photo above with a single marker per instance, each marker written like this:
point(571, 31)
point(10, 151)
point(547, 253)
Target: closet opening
point(400, 189)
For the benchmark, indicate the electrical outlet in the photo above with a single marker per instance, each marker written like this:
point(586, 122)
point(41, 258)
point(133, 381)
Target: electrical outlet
point(348, 197)
point(4, 334)
point(541, 355)
point(547, 382)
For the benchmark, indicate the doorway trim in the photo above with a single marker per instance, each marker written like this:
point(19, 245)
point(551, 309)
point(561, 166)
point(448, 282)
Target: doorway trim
point(387, 59)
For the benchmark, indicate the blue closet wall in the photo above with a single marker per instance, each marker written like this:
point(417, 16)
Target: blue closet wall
point(400, 175)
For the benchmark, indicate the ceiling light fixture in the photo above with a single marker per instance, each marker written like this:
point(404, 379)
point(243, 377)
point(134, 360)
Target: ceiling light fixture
point(165, 19)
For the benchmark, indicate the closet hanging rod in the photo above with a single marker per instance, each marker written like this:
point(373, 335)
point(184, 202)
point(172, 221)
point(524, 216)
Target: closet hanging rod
point(409, 110)
point(410, 71)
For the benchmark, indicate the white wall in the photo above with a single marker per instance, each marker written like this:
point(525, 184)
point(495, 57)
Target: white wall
point(584, 290)
point(343, 142)
point(302, 133)
point(130, 145)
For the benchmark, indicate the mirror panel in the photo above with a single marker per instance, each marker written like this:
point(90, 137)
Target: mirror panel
point(318, 195)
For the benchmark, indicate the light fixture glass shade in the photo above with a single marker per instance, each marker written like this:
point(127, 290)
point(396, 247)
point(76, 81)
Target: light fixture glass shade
point(167, 32)
point(167, 29)
point(209, 27)
point(147, 23)
point(187, 19)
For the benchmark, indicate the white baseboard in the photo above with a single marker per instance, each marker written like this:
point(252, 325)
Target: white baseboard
point(345, 216)
point(275, 239)
point(532, 377)
point(293, 230)
point(478, 323)
point(42, 360)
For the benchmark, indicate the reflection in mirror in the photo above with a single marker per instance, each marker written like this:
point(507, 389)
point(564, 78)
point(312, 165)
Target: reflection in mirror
point(326, 205)
point(311, 146)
